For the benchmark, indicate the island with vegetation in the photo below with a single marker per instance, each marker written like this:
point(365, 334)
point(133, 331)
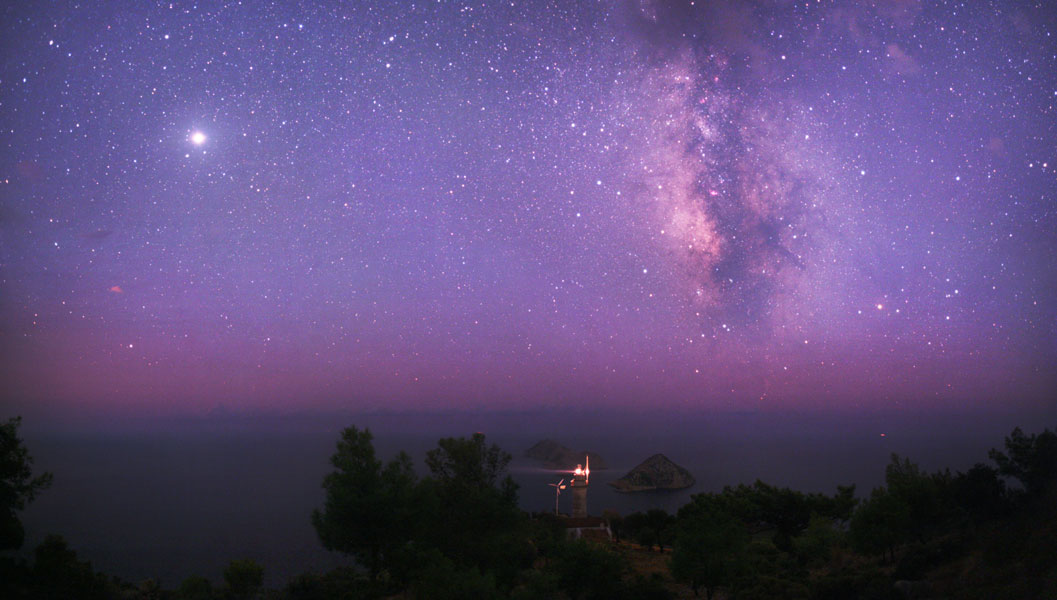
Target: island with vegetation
point(656, 473)
point(554, 455)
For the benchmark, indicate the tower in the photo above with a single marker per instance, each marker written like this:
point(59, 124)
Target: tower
point(579, 485)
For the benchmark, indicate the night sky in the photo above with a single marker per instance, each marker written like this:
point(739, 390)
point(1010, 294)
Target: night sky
point(474, 205)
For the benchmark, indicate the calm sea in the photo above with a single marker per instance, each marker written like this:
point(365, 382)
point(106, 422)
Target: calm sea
point(168, 500)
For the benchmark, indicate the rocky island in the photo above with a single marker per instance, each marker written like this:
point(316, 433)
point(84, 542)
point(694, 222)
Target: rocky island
point(655, 473)
point(556, 456)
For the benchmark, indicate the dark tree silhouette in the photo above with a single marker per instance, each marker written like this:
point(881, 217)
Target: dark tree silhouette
point(470, 510)
point(18, 486)
point(1030, 459)
point(711, 545)
point(980, 492)
point(880, 524)
point(244, 579)
point(57, 573)
point(195, 587)
point(586, 570)
point(650, 528)
point(919, 493)
point(471, 464)
point(367, 509)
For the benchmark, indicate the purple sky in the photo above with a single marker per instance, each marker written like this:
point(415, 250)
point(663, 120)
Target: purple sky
point(735, 205)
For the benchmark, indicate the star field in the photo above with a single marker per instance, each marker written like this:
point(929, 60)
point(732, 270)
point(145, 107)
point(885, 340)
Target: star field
point(511, 204)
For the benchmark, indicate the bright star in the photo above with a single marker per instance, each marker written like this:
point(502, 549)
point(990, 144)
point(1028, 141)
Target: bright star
point(198, 138)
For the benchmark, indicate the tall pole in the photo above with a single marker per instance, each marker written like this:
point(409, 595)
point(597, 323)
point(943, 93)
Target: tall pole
point(558, 487)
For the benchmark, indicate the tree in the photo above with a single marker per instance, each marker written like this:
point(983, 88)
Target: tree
point(18, 486)
point(244, 579)
point(651, 528)
point(920, 495)
point(58, 573)
point(843, 504)
point(787, 511)
point(470, 508)
point(980, 493)
point(710, 546)
point(149, 589)
point(344, 582)
point(661, 523)
point(586, 570)
point(471, 464)
point(637, 527)
point(815, 544)
point(879, 524)
point(647, 588)
point(441, 579)
point(368, 510)
point(1032, 460)
point(195, 587)
point(547, 533)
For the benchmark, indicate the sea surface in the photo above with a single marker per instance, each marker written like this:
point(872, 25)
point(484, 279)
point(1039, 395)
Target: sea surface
point(169, 499)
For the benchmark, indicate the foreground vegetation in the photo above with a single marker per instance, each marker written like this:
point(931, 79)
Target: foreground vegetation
point(990, 532)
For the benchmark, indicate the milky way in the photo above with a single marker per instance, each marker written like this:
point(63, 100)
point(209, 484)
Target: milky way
point(733, 198)
point(455, 205)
